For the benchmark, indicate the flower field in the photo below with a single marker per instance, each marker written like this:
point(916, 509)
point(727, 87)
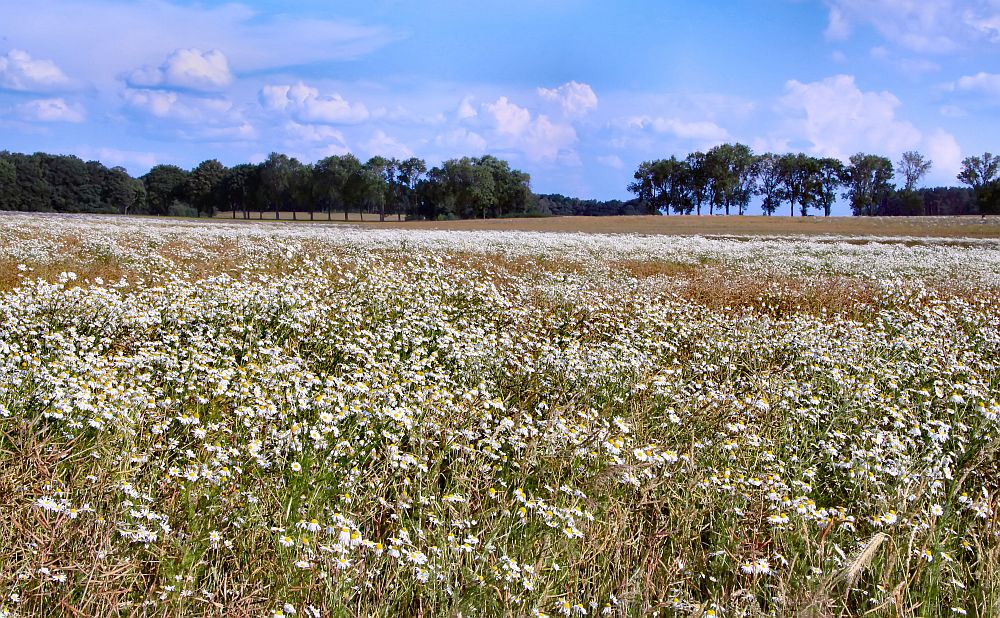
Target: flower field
point(261, 420)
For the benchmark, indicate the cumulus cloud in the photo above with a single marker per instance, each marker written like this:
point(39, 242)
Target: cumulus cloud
point(539, 138)
point(306, 104)
point(942, 148)
point(838, 119)
point(170, 105)
point(387, 146)
point(19, 71)
point(466, 110)
point(575, 99)
point(189, 69)
point(926, 26)
point(462, 141)
point(51, 110)
point(511, 119)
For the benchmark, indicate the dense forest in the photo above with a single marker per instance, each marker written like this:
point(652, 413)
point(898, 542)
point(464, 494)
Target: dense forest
point(726, 179)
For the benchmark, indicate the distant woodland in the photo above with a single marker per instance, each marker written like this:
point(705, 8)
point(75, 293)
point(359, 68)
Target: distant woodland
point(726, 179)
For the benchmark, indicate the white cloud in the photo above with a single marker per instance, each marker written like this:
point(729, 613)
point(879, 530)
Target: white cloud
point(547, 140)
point(511, 119)
point(466, 110)
point(698, 130)
point(307, 105)
point(188, 69)
point(19, 71)
point(51, 110)
point(386, 146)
point(838, 119)
point(402, 115)
point(106, 38)
point(225, 133)
point(462, 140)
point(942, 148)
point(313, 132)
point(927, 26)
point(170, 105)
point(981, 83)
point(540, 138)
point(310, 142)
point(576, 99)
point(838, 27)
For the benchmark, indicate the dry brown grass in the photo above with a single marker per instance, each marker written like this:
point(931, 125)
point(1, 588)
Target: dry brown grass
point(717, 287)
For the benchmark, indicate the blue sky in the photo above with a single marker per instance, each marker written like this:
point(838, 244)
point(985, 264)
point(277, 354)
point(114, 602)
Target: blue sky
point(575, 92)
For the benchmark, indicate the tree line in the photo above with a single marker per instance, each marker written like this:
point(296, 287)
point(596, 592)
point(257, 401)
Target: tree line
point(724, 179)
point(729, 176)
point(458, 188)
point(480, 187)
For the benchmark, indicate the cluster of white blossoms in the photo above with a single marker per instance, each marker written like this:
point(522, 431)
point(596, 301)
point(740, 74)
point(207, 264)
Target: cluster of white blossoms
point(332, 421)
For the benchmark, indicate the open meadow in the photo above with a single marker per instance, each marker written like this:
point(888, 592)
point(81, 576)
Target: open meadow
point(257, 419)
point(920, 227)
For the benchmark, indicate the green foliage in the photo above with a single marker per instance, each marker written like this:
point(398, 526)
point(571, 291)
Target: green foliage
point(869, 183)
point(731, 175)
point(474, 187)
point(165, 184)
point(664, 185)
point(983, 175)
point(204, 186)
point(769, 182)
point(560, 205)
point(913, 166)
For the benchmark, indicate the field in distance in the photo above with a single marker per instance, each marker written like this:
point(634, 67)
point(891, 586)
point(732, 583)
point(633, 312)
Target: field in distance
point(951, 227)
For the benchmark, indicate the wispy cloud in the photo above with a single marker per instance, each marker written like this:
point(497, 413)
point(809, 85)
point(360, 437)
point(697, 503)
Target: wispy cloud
point(926, 26)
